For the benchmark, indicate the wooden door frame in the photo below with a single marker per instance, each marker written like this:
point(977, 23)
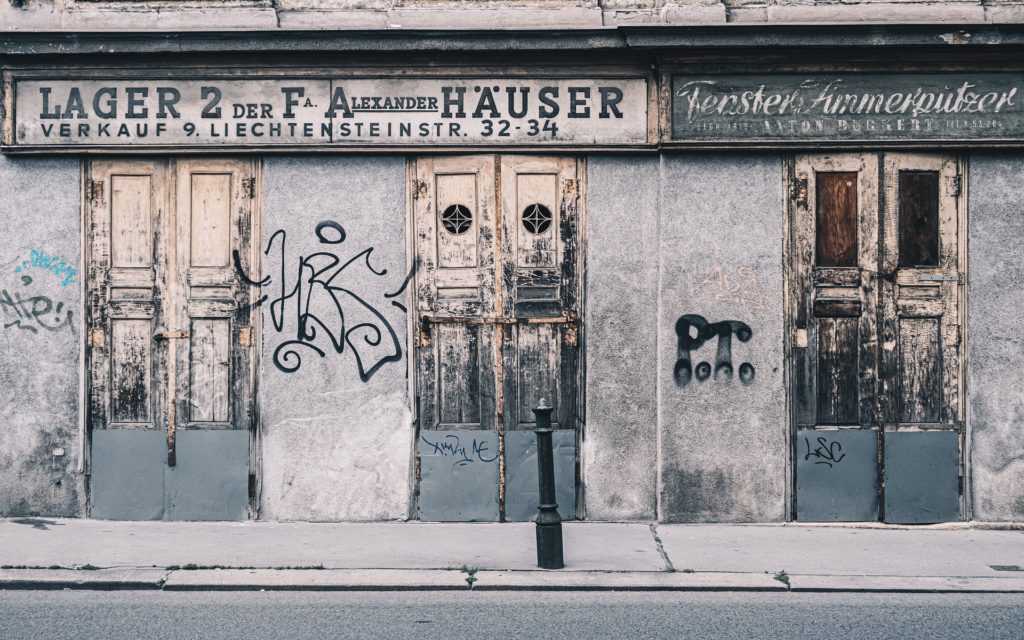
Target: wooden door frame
point(169, 163)
point(413, 317)
point(790, 196)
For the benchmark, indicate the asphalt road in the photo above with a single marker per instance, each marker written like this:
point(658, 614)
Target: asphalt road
point(113, 615)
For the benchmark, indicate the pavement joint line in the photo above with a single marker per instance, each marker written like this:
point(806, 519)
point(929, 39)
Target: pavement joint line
point(661, 549)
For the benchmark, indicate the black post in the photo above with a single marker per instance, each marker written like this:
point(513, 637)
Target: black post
point(549, 523)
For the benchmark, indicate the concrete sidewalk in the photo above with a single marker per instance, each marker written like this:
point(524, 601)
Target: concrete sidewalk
point(56, 553)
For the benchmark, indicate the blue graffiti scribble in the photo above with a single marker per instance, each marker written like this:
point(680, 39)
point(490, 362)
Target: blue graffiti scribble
point(452, 447)
point(54, 264)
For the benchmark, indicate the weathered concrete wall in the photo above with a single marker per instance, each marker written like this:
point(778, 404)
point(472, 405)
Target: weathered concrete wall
point(337, 431)
point(429, 14)
point(39, 338)
point(995, 334)
point(620, 449)
point(723, 438)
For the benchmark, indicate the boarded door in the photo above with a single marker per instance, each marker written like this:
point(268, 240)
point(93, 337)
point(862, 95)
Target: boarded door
point(875, 309)
point(170, 339)
point(497, 306)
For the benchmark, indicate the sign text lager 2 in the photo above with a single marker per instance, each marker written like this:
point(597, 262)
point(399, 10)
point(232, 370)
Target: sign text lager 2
point(385, 111)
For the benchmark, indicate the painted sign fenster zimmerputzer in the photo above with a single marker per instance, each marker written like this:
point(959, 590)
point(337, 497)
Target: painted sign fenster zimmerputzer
point(876, 351)
point(170, 360)
point(497, 307)
point(837, 108)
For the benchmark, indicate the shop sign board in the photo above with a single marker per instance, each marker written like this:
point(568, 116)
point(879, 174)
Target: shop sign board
point(436, 111)
point(840, 108)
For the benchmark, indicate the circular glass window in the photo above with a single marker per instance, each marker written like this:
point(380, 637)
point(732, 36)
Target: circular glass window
point(536, 218)
point(457, 219)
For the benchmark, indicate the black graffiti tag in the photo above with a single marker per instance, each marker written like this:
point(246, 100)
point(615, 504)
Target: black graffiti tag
point(34, 312)
point(316, 292)
point(826, 453)
point(692, 332)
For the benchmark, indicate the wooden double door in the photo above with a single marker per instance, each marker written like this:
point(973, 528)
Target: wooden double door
point(497, 288)
point(170, 353)
point(875, 308)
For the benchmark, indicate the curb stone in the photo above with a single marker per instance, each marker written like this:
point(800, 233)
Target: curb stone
point(486, 580)
point(316, 580)
point(99, 579)
point(904, 584)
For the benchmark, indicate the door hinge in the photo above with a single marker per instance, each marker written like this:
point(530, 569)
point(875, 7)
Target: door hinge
point(798, 191)
point(571, 335)
point(956, 184)
point(570, 188)
point(245, 336)
point(96, 338)
point(249, 186)
point(94, 191)
point(419, 188)
point(951, 335)
point(423, 333)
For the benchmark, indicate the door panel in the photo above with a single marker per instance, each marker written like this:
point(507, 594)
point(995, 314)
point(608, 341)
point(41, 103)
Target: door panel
point(874, 301)
point(170, 331)
point(920, 292)
point(455, 252)
point(127, 367)
point(836, 247)
point(540, 233)
point(497, 282)
point(211, 304)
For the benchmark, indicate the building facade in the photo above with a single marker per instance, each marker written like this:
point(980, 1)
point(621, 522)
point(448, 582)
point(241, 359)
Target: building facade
point(321, 261)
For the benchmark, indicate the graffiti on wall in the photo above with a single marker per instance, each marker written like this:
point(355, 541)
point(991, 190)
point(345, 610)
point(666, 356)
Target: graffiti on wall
point(739, 286)
point(64, 272)
point(32, 311)
point(693, 331)
point(462, 453)
point(826, 452)
point(318, 293)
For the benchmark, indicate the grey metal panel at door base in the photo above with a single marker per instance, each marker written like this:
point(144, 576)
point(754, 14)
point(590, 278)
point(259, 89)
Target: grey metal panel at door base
point(921, 481)
point(521, 488)
point(837, 475)
point(210, 480)
point(127, 480)
point(458, 476)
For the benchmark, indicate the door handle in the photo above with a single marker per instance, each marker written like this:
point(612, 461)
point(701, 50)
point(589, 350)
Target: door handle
point(164, 334)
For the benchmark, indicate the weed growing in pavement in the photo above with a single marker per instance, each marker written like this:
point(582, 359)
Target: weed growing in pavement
point(782, 577)
point(470, 574)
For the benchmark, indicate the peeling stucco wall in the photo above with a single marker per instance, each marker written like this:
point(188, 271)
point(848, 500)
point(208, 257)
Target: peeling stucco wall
point(337, 431)
point(995, 334)
point(40, 336)
point(523, 14)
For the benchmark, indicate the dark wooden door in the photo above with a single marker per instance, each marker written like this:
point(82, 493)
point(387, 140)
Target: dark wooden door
point(875, 359)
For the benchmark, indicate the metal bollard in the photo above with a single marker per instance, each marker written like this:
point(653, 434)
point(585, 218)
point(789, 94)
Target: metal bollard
point(549, 523)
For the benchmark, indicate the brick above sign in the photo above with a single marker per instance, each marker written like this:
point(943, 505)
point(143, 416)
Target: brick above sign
point(848, 108)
